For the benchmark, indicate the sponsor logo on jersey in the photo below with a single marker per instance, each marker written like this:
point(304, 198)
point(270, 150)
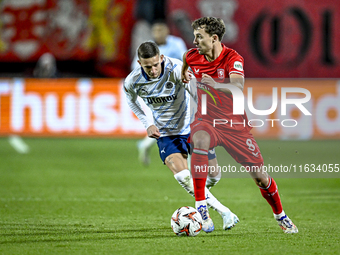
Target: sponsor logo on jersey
point(238, 65)
point(196, 70)
point(169, 85)
point(159, 100)
point(220, 73)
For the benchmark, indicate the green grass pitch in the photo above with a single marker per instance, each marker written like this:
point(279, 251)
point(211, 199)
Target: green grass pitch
point(91, 196)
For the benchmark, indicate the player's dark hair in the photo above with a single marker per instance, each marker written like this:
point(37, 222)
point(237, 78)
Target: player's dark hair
point(147, 50)
point(211, 26)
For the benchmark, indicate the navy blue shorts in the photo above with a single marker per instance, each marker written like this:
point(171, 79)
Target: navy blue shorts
point(168, 145)
point(173, 144)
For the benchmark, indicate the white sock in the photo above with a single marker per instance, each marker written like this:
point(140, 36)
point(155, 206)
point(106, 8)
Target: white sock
point(279, 216)
point(189, 162)
point(18, 144)
point(214, 203)
point(212, 180)
point(201, 203)
point(147, 142)
point(184, 179)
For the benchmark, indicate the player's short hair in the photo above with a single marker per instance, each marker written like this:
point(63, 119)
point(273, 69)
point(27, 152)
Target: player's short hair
point(148, 49)
point(211, 26)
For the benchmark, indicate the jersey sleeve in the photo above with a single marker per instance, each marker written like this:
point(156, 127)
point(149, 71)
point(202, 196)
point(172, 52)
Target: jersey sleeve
point(134, 105)
point(189, 54)
point(235, 64)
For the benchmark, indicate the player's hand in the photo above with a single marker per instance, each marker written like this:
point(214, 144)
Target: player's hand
point(153, 132)
point(207, 79)
point(186, 76)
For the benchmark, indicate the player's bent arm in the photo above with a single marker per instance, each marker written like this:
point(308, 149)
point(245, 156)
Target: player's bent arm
point(138, 111)
point(236, 80)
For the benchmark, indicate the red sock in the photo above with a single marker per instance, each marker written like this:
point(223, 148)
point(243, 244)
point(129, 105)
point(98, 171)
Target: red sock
point(271, 194)
point(199, 171)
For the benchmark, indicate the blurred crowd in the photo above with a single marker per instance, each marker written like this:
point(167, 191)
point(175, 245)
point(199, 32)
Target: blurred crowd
point(150, 24)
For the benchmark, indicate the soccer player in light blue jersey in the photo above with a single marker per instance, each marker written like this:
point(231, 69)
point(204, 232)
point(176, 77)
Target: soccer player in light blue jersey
point(170, 46)
point(172, 103)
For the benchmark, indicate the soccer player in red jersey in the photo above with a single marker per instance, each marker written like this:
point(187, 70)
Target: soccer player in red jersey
point(215, 64)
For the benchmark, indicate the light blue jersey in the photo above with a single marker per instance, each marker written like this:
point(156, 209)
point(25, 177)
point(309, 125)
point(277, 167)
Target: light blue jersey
point(171, 102)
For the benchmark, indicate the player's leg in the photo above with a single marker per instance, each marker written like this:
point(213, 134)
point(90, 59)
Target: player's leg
point(199, 170)
point(267, 186)
point(214, 174)
point(269, 191)
point(244, 149)
point(229, 218)
point(177, 164)
point(144, 147)
point(173, 151)
point(18, 144)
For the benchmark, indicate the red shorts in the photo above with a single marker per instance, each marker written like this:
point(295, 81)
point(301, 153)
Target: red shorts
point(240, 145)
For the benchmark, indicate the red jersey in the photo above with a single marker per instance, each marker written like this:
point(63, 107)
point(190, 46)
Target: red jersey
point(219, 104)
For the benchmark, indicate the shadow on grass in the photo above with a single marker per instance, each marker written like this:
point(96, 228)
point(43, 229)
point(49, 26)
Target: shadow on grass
point(42, 233)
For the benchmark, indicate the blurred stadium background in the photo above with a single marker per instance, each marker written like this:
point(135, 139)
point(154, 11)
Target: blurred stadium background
point(75, 185)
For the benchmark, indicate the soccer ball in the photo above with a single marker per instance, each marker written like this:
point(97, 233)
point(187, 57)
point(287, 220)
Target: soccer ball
point(186, 221)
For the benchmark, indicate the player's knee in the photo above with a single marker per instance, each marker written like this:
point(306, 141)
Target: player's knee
point(201, 140)
point(176, 162)
point(261, 182)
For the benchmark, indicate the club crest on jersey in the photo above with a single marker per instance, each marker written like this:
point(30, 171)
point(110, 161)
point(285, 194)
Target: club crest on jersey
point(220, 73)
point(169, 85)
point(144, 92)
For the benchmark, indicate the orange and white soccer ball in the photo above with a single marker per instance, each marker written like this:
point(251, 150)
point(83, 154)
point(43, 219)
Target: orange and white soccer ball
point(186, 221)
